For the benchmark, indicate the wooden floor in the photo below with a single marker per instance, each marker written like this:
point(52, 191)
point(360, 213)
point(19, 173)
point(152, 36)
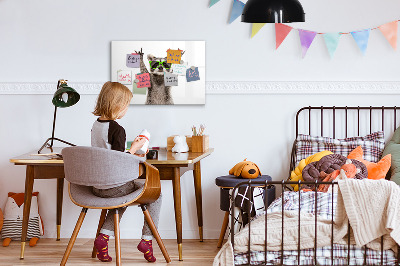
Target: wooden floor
point(50, 252)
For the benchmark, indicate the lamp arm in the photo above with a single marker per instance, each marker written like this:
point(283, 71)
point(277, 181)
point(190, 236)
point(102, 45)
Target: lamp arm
point(54, 118)
point(54, 126)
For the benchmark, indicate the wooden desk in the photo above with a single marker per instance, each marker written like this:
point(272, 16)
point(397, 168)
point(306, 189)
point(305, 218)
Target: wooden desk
point(171, 167)
point(40, 167)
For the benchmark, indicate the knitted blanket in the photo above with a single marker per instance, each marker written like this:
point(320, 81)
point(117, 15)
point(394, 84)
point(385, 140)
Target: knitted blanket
point(371, 206)
point(373, 209)
point(274, 235)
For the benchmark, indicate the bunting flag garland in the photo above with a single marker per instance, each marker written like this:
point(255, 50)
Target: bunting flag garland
point(281, 31)
point(213, 2)
point(361, 37)
point(256, 27)
point(237, 8)
point(389, 30)
point(332, 41)
point(306, 39)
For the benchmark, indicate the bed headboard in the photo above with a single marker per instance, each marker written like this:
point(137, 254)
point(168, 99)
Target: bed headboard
point(344, 121)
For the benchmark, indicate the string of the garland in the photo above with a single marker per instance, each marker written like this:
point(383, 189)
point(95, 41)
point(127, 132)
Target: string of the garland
point(341, 32)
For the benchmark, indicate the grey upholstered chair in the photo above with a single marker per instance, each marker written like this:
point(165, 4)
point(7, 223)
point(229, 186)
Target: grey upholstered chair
point(85, 167)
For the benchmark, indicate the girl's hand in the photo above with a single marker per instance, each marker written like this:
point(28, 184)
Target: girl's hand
point(142, 155)
point(137, 144)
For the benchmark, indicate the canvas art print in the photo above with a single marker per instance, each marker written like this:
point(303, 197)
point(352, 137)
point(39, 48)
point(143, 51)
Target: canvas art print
point(160, 72)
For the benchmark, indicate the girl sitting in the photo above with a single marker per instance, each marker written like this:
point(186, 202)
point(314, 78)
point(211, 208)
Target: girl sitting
point(112, 104)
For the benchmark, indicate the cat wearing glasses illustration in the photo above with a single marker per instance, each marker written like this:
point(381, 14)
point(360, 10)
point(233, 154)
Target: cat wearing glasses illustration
point(157, 93)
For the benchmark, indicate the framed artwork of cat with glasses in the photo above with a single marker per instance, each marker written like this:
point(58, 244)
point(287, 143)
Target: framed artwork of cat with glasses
point(160, 72)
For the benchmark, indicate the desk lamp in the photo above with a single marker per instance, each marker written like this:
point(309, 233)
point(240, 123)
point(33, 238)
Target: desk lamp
point(64, 96)
point(273, 11)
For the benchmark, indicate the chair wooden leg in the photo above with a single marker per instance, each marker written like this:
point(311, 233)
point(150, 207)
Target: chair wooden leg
point(154, 230)
point(101, 222)
point(223, 229)
point(117, 239)
point(73, 237)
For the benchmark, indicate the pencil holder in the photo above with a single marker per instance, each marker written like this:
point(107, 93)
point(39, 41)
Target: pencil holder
point(200, 143)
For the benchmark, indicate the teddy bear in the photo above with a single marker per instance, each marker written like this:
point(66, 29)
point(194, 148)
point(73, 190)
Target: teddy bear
point(245, 169)
point(13, 215)
point(180, 144)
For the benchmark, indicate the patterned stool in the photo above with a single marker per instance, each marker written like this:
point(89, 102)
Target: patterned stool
point(226, 183)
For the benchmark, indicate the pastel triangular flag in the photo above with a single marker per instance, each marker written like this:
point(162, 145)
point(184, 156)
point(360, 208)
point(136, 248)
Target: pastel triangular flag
point(389, 30)
point(213, 2)
point(332, 41)
point(281, 31)
point(237, 9)
point(255, 28)
point(361, 37)
point(306, 39)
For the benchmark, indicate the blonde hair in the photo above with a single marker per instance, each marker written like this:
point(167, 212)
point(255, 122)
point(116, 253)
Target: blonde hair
point(112, 99)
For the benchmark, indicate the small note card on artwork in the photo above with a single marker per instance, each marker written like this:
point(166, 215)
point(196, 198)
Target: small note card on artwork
point(124, 77)
point(192, 74)
point(143, 80)
point(174, 56)
point(133, 60)
point(170, 79)
point(179, 69)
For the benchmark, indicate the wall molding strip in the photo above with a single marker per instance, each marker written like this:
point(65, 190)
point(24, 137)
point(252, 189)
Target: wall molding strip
point(231, 87)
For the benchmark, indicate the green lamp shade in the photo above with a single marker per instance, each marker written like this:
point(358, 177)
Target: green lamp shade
point(65, 96)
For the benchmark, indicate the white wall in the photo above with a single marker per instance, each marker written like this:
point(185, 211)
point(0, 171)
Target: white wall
point(47, 40)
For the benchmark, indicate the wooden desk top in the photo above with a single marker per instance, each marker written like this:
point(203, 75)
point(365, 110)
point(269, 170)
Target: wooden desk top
point(168, 157)
point(164, 157)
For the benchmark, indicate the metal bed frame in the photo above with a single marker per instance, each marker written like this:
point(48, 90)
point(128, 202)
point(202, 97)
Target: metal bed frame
point(284, 183)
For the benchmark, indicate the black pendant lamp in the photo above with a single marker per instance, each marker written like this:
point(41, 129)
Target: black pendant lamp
point(273, 11)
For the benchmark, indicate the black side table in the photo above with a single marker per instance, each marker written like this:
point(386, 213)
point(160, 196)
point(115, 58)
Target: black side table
point(226, 183)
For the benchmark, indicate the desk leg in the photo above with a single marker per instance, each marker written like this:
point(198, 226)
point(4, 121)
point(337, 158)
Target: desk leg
point(60, 190)
point(199, 204)
point(27, 206)
point(176, 182)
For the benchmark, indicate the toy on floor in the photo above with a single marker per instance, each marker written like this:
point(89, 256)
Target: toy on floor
point(13, 215)
point(245, 169)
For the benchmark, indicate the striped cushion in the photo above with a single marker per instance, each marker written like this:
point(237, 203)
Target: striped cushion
point(13, 228)
point(372, 145)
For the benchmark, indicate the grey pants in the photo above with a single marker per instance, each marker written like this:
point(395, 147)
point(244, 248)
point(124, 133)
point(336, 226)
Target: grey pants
point(154, 208)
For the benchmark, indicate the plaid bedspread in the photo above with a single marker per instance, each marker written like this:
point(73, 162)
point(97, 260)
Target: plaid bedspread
point(324, 257)
point(307, 202)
